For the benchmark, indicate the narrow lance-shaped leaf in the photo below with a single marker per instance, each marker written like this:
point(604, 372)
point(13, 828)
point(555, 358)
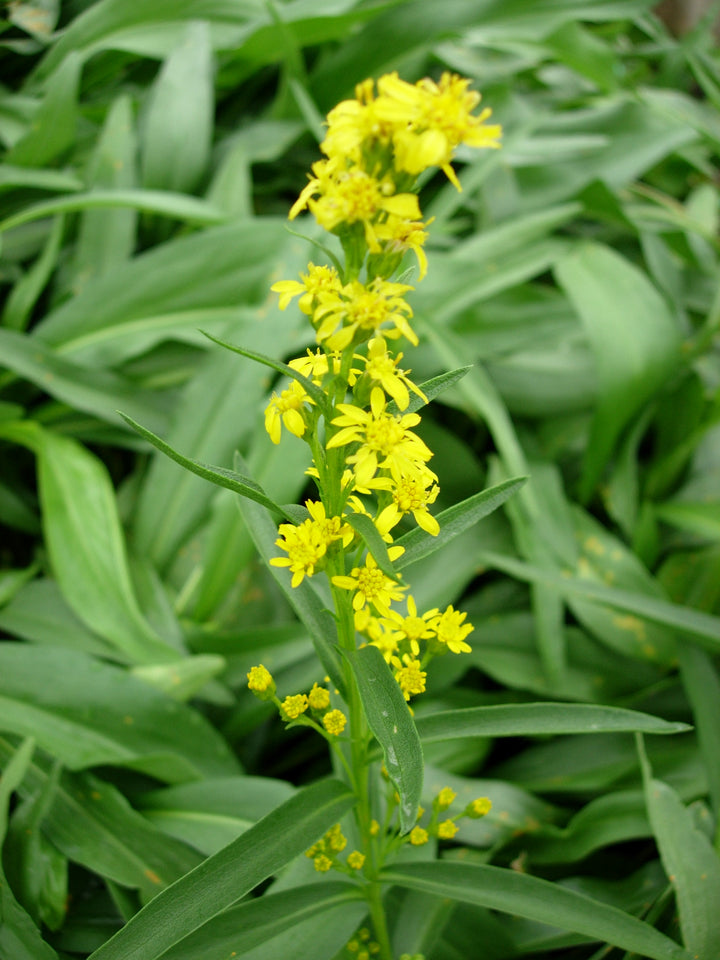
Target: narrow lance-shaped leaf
point(220, 476)
point(392, 725)
point(456, 520)
point(525, 896)
point(223, 879)
point(258, 920)
point(432, 388)
point(310, 388)
point(539, 719)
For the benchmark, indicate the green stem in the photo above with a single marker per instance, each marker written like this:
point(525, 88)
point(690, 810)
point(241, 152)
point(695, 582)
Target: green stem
point(373, 893)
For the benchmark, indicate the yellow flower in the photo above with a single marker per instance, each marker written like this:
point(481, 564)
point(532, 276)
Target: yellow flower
point(316, 365)
point(439, 117)
point(349, 196)
point(381, 435)
point(335, 840)
point(286, 409)
point(446, 830)
point(381, 366)
point(317, 280)
point(261, 683)
point(411, 628)
point(418, 836)
point(371, 586)
point(307, 543)
point(334, 722)
point(445, 798)
point(409, 676)
point(358, 310)
point(413, 494)
point(398, 236)
point(356, 860)
point(478, 808)
point(322, 863)
point(451, 630)
point(319, 698)
point(374, 828)
point(293, 706)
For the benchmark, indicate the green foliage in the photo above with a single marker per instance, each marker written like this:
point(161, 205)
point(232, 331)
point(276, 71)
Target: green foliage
point(150, 807)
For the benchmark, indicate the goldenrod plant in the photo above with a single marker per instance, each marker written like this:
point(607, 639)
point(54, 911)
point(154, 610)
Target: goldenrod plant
point(277, 679)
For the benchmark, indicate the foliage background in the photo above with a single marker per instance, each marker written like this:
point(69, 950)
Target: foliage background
point(151, 152)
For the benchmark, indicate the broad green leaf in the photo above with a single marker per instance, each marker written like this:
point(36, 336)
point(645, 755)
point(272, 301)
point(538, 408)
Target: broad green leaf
point(367, 530)
point(538, 719)
point(220, 476)
point(455, 520)
point(53, 180)
point(253, 923)
point(223, 880)
point(13, 775)
point(106, 237)
point(523, 895)
point(177, 206)
point(87, 548)
point(634, 359)
point(53, 128)
point(701, 625)
point(392, 725)
point(86, 712)
point(93, 824)
point(178, 123)
point(184, 678)
point(691, 864)
point(98, 392)
point(209, 814)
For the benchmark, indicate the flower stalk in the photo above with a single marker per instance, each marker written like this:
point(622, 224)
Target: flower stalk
point(370, 466)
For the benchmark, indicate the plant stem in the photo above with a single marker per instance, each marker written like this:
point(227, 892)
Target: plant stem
point(377, 915)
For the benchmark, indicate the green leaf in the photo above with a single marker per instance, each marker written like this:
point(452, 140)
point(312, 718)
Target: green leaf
point(87, 547)
point(310, 388)
point(19, 937)
point(222, 880)
point(93, 825)
point(53, 128)
point(25, 293)
point(177, 206)
point(255, 922)
point(86, 712)
point(177, 131)
point(539, 719)
point(634, 360)
point(691, 864)
point(367, 530)
point(95, 391)
point(220, 476)
point(523, 895)
point(456, 520)
point(695, 622)
point(392, 725)
point(431, 388)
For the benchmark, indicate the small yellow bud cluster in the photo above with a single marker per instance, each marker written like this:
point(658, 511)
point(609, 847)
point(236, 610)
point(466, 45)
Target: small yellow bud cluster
point(324, 853)
point(447, 828)
point(295, 706)
point(361, 946)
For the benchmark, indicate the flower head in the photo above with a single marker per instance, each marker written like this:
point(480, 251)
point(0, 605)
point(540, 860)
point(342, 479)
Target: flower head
point(261, 683)
point(357, 311)
point(285, 409)
point(409, 676)
point(371, 586)
point(451, 630)
point(334, 722)
point(478, 808)
point(294, 706)
point(418, 836)
point(446, 830)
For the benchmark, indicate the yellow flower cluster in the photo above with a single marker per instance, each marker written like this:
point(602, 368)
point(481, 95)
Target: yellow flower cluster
point(324, 853)
point(311, 708)
point(447, 828)
point(368, 458)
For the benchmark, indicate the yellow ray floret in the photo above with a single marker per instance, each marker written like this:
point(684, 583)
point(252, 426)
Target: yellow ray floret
point(386, 441)
point(371, 586)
